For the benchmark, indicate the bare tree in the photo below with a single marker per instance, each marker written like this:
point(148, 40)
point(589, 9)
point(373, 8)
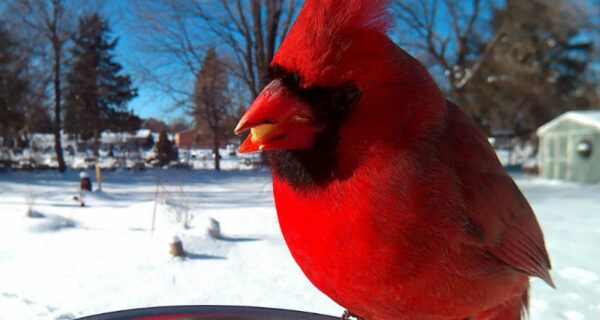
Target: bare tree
point(179, 124)
point(155, 125)
point(173, 42)
point(498, 56)
point(176, 35)
point(211, 102)
point(49, 21)
point(34, 69)
point(541, 68)
point(452, 35)
point(252, 36)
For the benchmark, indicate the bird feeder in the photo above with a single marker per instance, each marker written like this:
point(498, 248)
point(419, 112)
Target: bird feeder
point(209, 312)
point(85, 183)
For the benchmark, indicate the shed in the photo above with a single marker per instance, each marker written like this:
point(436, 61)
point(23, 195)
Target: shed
point(570, 147)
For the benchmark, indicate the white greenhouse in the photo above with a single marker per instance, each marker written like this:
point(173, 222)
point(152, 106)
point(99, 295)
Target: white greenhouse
point(570, 147)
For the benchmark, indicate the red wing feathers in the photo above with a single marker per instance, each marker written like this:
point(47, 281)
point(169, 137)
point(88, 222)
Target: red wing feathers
point(509, 227)
point(503, 221)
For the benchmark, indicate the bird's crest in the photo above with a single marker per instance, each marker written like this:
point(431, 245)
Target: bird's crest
point(325, 29)
point(347, 14)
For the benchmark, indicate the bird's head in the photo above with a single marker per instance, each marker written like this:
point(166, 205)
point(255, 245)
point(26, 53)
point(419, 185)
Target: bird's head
point(338, 82)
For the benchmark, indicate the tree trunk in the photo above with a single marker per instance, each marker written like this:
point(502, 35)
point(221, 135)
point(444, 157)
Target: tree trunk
point(216, 150)
point(6, 138)
point(96, 147)
point(57, 126)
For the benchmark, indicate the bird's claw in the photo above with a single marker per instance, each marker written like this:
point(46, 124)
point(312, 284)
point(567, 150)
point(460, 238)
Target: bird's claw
point(349, 315)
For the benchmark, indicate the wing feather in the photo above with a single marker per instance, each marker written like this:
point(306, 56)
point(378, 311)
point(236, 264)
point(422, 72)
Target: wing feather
point(503, 222)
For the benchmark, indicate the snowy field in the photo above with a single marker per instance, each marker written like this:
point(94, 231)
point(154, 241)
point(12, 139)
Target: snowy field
point(69, 261)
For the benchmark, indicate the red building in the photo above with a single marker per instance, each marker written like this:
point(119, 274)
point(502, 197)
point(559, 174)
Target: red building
point(186, 139)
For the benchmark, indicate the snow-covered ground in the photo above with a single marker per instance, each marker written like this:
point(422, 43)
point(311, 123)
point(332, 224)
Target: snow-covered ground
point(72, 261)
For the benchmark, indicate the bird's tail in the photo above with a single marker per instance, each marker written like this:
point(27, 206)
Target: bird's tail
point(516, 308)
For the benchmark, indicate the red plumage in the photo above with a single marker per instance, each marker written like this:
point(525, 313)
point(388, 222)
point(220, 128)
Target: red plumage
point(391, 200)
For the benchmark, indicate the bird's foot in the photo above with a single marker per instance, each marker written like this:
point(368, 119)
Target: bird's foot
point(349, 315)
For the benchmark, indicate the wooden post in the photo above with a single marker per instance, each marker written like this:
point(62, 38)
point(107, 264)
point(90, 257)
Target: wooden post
point(214, 230)
point(98, 177)
point(85, 183)
point(176, 247)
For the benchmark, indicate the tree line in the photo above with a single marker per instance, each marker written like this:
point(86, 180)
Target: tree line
point(510, 64)
point(46, 48)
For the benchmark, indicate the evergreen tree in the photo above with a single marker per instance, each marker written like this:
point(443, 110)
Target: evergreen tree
point(163, 150)
point(13, 88)
point(96, 90)
point(124, 121)
point(39, 120)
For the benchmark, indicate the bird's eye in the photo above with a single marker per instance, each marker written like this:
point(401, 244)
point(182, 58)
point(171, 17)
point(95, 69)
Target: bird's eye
point(288, 78)
point(292, 80)
point(345, 97)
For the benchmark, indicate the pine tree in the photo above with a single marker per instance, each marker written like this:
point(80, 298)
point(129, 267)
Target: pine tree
point(163, 150)
point(97, 91)
point(13, 87)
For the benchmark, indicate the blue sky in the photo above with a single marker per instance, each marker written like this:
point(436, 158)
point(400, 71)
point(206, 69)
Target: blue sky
point(149, 102)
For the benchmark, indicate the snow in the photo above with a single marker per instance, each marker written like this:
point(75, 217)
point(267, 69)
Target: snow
point(69, 261)
point(588, 116)
point(582, 276)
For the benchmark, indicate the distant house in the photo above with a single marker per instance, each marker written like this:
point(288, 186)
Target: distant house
point(127, 141)
point(570, 147)
point(118, 139)
point(142, 138)
point(185, 139)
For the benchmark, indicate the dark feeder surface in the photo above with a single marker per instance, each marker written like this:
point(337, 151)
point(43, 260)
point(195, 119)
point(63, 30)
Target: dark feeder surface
point(208, 312)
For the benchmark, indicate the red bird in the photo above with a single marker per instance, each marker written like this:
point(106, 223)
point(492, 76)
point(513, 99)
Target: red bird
point(389, 197)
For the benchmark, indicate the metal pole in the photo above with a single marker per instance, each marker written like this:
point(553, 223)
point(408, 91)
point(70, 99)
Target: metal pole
point(155, 201)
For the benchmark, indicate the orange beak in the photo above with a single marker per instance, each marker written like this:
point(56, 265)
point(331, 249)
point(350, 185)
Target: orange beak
point(277, 120)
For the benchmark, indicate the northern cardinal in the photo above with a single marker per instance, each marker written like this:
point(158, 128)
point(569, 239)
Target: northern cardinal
point(389, 197)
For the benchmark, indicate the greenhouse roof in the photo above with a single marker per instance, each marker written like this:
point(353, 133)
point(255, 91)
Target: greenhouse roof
point(588, 117)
